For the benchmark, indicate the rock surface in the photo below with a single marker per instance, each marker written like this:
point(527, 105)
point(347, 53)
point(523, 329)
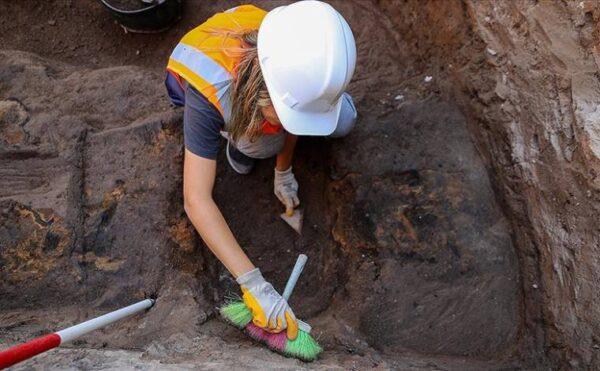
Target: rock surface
point(418, 258)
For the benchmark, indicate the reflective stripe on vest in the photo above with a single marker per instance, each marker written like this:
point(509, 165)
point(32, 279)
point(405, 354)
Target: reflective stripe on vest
point(200, 64)
point(205, 72)
point(201, 57)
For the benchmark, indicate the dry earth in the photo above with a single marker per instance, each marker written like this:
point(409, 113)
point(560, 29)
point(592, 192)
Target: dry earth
point(456, 227)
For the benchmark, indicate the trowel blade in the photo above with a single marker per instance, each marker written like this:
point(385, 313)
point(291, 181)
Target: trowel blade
point(295, 220)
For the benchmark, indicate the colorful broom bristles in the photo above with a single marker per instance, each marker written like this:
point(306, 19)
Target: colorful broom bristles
point(304, 347)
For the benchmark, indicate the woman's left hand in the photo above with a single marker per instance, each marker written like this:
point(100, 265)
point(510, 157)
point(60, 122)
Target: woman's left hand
point(286, 189)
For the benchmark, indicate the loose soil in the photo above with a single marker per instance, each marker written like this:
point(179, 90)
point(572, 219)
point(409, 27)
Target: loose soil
point(412, 261)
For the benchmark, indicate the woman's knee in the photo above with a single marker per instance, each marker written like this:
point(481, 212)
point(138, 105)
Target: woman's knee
point(347, 118)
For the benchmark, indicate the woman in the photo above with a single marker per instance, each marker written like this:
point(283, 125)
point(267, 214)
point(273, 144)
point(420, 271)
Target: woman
point(258, 79)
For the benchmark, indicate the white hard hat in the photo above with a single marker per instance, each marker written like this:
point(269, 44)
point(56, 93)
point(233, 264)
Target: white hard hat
point(307, 56)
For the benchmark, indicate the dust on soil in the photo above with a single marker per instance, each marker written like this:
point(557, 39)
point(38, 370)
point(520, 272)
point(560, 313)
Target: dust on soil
point(411, 263)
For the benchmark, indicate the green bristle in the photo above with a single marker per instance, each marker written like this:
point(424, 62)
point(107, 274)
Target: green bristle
point(304, 347)
point(237, 313)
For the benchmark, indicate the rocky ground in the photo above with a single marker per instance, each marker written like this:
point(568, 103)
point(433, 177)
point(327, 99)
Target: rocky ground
point(455, 228)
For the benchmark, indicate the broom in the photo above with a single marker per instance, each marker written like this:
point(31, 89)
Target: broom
point(304, 347)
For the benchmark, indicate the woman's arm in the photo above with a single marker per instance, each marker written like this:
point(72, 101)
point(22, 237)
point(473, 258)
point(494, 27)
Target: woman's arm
point(284, 158)
point(198, 181)
point(269, 309)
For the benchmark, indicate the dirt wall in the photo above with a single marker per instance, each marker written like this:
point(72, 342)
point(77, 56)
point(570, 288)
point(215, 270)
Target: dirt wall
point(538, 123)
point(526, 74)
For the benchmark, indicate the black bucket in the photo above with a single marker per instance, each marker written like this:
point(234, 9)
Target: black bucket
point(156, 16)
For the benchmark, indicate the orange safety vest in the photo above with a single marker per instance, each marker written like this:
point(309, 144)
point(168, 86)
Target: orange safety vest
point(201, 57)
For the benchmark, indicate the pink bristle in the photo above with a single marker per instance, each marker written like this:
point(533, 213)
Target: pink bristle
point(277, 341)
point(257, 333)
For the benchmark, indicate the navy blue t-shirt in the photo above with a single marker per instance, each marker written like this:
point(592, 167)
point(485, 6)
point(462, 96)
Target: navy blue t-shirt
point(202, 122)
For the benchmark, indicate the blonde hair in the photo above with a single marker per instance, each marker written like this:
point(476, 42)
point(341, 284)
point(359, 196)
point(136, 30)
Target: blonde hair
point(248, 90)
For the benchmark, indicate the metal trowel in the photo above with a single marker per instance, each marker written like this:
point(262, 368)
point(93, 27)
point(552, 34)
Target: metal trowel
point(294, 219)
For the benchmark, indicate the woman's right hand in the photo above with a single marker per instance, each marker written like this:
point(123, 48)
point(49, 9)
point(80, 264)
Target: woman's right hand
point(269, 309)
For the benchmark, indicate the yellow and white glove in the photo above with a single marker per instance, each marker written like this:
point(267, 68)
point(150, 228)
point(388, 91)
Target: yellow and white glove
point(286, 189)
point(269, 309)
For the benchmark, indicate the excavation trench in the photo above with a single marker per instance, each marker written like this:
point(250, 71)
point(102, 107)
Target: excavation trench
point(423, 248)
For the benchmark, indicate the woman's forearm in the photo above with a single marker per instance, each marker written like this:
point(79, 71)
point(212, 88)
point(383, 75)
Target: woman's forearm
point(198, 180)
point(212, 227)
point(284, 158)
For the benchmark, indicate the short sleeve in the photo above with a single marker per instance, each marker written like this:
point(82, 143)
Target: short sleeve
point(202, 124)
point(175, 89)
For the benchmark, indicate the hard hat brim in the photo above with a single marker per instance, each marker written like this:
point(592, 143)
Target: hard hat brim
point(307, 123)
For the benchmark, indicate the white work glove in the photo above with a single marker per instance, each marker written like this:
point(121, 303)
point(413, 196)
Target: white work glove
point(269, 309)
point(286, 189)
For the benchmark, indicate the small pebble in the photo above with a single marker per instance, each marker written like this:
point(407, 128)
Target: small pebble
point(52, 22)
point(491, 51)
point(399, 97)
point(428, 78)
point(137, 52)
point(535, 286)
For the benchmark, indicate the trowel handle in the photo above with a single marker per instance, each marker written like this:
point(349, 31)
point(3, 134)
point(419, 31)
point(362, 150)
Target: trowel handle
point(291, 283)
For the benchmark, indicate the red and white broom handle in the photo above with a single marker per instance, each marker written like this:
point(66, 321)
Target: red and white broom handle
point(39, 345)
